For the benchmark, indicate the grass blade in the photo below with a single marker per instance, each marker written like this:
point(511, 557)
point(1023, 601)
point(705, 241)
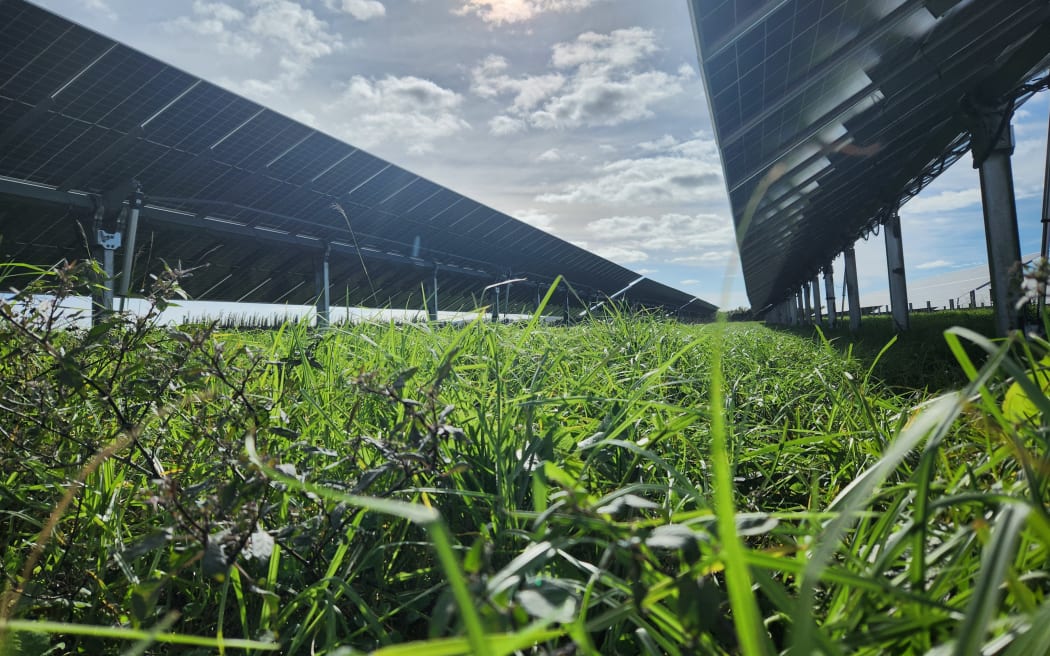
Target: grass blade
point(984, 598)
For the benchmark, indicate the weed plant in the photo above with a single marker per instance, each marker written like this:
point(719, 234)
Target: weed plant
point(627, 485)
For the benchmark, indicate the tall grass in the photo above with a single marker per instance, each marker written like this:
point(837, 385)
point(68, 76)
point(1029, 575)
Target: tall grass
point(623, 486)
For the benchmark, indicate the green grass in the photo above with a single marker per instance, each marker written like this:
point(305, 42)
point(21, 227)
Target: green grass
point(623, 486)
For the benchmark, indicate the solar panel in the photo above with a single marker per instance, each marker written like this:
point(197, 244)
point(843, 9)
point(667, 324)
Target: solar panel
point(845, 109)
point(234, 190)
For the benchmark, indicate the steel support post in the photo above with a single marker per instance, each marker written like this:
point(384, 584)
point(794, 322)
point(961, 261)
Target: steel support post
point(107, 243)
point(324, 289)
point(107, 267)
point(1044, 248)
point(829, 289)
point(134, 207)
point(852, 289)
point(432, 307)
point(807, 308)
point(565, 314)
point(800, 310)
point(895, 269)
point(993, 144)
point(102, 295)
point(973, 299)
point(814, 288)
point(495, 305)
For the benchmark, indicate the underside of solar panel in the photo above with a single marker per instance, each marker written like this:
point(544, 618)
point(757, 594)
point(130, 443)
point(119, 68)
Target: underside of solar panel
point(831, 114)
point(246, 198)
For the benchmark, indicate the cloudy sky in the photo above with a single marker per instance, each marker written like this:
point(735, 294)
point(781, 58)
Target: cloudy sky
point(585, 118)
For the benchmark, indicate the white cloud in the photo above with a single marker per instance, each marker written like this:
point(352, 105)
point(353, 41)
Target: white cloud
point(663, 143)
point(101, 7)
point(304, 116)
point(706, 259)
point(289, 37)
point(691, 281)
point(411, 110)
point(600, 81)
point(620, 254)
point(602, 101)
point(362, 10)
point(490, 81)
point(551, 155)
point(499, 12)
point(537, 218)
point(221, 23)
point(504, 125)
point(671, 238)
point(672, 177)
point(670, 233)
point(944, 201)
point(934, 264)
point(294, 27)
point(620, 49)
point(1029, 164)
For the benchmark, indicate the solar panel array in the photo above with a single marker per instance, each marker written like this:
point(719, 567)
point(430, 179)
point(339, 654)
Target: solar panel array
point(241, 193)
point(828, 114)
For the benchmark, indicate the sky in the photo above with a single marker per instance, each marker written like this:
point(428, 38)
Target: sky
point(585, 118)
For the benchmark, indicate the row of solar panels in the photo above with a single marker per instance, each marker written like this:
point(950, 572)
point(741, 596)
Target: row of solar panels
point(243, 194)
point(830, 113)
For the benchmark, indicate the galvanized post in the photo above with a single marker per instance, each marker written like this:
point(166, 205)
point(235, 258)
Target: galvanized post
point(951, 303)
point(973, 299)
point(324, 289)
point(852, 289)
point(895, 268)
point(107, 267)
point(818, 314)
point(993, 144)
point(1045, 243)
point(107, 242)
point(807, 309)
point(134, 207)
point(829, 288)
point(432, 308)
point(495, 305)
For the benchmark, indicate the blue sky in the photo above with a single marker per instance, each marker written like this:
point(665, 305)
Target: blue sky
point(585, 118)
